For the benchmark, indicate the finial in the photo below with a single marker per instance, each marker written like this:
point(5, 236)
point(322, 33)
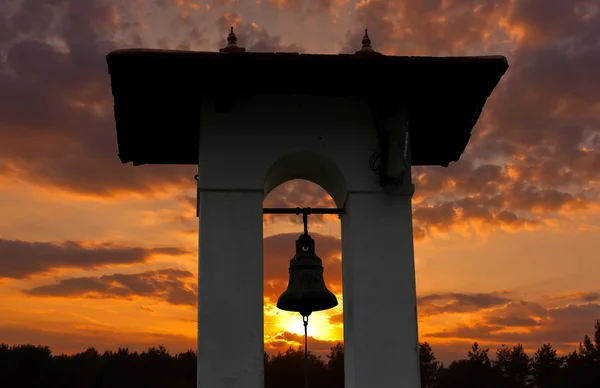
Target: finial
point(366, 45)
point(232, 44)
point(231, 38)
point(366, 41)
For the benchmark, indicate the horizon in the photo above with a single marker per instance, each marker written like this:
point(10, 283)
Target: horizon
point(97, 253)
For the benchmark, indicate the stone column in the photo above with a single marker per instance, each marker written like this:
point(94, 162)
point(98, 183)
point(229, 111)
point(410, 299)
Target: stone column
point(380, 317)
point(230, 290)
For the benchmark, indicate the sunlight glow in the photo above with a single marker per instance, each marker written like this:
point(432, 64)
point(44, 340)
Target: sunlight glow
point(318, 325)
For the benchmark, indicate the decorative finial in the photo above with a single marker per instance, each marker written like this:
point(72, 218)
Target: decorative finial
point(232, 44)
point(231, 38)
point(366, 41)
point(366, 45)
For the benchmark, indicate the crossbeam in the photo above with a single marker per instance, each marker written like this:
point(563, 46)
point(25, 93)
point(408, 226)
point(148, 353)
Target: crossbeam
point(302, 210)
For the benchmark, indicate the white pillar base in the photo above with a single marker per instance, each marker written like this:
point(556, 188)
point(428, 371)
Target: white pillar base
point(230, 290)
point(380, 316)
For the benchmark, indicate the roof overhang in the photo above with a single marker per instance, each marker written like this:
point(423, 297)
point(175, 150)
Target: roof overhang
point(157, 94)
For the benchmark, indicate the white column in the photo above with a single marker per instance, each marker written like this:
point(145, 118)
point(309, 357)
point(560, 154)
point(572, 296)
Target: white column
point(230, 290)
point(380, 317)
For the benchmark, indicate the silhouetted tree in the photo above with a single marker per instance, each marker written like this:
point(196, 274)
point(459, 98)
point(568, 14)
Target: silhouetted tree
point(287, 370)
point(513, 367)
point(474, 372)
point(335, 366)
point(28, 366)
point(546, 366)
point(583, 369)
point(429, 366)
point(25, 364)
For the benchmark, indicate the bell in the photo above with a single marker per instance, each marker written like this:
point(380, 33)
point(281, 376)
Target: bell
point(306, 291)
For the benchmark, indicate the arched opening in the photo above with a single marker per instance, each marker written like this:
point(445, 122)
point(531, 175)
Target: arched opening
point(310, 166)
point(302, 179)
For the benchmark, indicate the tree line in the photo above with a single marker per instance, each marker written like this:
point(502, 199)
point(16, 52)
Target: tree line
point(25, 366)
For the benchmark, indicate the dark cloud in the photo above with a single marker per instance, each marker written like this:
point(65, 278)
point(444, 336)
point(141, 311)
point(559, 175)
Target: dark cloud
point(303, 10)
point(433, 27)
point(56, 115)
point(513, 206)
point(73, 338)
point(187, 33)
point(434, 304)
point(21, 259)
point(547, 21)
point(167, 284)
point(530, 324)
point(514, 321)
point(579, 296)
point(520, 314)
point(461, 178)
point(440, 217)
point(545, 114)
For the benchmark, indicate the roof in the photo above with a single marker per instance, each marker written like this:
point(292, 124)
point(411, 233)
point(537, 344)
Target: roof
point(157, 94)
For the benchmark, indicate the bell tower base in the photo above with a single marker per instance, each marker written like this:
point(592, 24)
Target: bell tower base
point(380, 314)
point(230, 289)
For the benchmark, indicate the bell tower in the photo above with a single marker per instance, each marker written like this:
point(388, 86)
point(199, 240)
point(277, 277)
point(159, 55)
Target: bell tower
point(251, 121)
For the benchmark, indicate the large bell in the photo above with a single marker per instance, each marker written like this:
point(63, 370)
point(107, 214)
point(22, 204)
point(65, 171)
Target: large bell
point(306, 290)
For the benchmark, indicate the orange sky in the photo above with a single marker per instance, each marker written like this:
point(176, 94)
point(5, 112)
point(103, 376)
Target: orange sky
point(96, 253)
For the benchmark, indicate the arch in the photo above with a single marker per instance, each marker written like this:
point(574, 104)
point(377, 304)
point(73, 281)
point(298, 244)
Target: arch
point(310, 166)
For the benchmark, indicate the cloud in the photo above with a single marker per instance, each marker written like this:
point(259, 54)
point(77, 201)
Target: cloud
point(528, 323)
point(439, 216)
point(21, 259)
point(433, 27)
point(546, 21)
point(578, 296)
point(461, 178)
point(441, 303)
point(57, 127)
point(70, 338)
point(167, 285)
point(545, 115)
point(507, 204)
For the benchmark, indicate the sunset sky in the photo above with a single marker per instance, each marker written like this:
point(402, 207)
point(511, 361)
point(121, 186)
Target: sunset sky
point(97, 253)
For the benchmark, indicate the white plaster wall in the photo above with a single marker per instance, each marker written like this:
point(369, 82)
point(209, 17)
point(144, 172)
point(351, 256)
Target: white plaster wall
point(230, 291)
point(340, 128)
point(380, 305)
